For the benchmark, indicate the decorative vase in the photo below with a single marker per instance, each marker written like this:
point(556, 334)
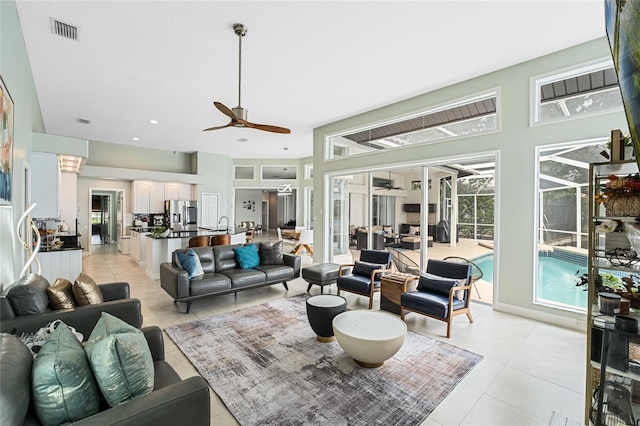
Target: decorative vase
point(165, 233)
point(622, 205)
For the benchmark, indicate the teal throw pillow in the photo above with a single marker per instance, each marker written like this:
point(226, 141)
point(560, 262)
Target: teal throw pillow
point(64, 389)
point(121, 360)
point(190, 262)
point(247, 256)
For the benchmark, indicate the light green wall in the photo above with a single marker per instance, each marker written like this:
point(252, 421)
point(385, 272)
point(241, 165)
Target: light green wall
point(16, 73)
point(515, 145)
point(130, 157)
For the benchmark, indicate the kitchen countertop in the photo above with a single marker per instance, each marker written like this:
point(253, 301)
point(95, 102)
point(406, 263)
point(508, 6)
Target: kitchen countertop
point(63, 248)
point(181, 234)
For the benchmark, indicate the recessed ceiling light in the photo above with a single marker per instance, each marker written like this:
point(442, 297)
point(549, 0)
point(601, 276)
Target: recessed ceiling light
point(153, 121)
point(243, 140)
point(136, 139)
point(286, 149)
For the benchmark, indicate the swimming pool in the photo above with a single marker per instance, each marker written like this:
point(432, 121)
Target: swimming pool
point(557, 279)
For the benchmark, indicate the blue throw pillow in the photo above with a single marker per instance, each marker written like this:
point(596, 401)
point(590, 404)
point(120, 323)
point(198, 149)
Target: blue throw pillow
point(247, 256)
point(190, 262)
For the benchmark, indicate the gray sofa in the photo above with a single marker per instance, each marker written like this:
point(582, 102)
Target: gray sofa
point(117, 302)
point(173, 400)
point(222, 274)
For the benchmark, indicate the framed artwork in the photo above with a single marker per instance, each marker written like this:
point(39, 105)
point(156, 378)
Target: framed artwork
point(416, 184)
point(6, 143)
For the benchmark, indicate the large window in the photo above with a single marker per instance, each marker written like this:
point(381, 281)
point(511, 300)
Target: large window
point(469, 116)
point(562, 222)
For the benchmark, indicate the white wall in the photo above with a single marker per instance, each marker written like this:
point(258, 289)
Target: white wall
point(514, 145)
point(243, 214)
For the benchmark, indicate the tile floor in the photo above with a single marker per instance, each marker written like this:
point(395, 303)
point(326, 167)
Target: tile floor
point(530, 369)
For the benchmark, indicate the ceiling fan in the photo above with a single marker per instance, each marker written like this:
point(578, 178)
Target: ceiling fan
point(238, 115)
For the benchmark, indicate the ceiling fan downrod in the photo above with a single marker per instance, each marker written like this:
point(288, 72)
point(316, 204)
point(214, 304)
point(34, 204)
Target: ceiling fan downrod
point(240, 112)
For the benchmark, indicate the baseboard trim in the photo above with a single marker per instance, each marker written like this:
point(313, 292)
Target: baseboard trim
point(579, 324)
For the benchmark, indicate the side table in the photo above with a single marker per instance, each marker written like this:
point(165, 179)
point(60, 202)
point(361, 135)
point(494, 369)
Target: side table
point(391, 288)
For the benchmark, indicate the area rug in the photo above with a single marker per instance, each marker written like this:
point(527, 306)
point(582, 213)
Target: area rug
point(266, 365)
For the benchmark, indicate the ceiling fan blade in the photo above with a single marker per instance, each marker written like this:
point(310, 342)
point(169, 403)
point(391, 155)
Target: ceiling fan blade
point(219, 127)
point(225, 110)
point(266, 127)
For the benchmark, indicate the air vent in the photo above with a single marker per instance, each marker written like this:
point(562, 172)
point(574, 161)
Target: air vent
point(83, 121)
point(64, 30)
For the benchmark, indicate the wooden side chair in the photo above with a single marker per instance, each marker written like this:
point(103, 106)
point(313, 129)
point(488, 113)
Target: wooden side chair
point(443, 292)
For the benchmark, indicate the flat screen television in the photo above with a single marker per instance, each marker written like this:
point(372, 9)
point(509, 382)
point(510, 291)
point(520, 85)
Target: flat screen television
point(622, 20)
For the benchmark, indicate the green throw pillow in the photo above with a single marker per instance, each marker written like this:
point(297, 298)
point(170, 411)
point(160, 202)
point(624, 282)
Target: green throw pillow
point(247, 256)
point(63, 386)
point(190, 262)
point(121, 360)
point(15, 386)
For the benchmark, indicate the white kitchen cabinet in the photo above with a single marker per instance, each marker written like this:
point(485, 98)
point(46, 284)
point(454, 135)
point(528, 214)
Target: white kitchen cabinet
point(177, 191)
point(171, 191)
point(185, 191)
point(141, 192)
point(156, 197)
point(135, 246)
point(149, 196)
point(45, 185)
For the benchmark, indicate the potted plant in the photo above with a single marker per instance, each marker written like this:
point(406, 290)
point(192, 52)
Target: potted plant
point(161, 231)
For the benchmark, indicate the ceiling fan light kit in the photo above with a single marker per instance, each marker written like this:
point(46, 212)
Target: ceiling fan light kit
point(238, 115)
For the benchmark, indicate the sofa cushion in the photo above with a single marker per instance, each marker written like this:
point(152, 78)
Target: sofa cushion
point(271, 252)
point(209, 283)
point(276, 272)
point(121, 360)
point(64, 389)
point(61, 294)
point(86, 291)
point(190, 262)
point(225, 257)
point(245, 277)
point(15, 386)
point(30, 298)
point(247, 256)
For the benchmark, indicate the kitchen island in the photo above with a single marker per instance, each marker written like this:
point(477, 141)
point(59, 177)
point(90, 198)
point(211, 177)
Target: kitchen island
point(160, 249)
point(64, 262)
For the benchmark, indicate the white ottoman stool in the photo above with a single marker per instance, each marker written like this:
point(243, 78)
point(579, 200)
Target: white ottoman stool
point(369, 337)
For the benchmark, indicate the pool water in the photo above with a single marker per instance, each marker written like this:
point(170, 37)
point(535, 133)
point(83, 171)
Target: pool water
point(556, 279)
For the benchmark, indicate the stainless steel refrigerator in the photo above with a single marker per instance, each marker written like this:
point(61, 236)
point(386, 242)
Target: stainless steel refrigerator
point(182, 214)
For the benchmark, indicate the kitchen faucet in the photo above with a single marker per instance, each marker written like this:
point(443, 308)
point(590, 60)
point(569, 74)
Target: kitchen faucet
point(224, 217)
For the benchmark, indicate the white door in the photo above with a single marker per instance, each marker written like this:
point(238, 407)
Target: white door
point(210, 210)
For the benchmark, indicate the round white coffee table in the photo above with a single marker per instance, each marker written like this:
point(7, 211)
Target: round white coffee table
point(369, 337)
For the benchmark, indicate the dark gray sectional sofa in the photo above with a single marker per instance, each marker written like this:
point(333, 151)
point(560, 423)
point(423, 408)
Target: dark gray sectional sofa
point(222, 274)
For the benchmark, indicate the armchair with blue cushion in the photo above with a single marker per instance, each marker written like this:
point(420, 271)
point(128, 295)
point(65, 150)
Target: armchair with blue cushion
point(443, 292)
point(365, 273)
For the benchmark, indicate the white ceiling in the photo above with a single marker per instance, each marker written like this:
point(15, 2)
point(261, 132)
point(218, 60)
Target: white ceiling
point(305, 63)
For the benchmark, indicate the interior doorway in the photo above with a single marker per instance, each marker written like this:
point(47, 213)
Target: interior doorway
point(100, 219)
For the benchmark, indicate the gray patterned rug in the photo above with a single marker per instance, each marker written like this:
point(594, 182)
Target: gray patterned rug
point(268, 368)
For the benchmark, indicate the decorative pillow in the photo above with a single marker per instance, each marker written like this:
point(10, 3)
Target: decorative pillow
point(190, 262)
point(436, 284)
point(458, 294)
point(15, 386)
point(63, 386)
point(86, 291)
point(29, 299)
point(247, 256)
point(121, 360)
point(365, 269)
point(61, 294)
point(414, 230)
point(387, 229)
point(271, 253)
